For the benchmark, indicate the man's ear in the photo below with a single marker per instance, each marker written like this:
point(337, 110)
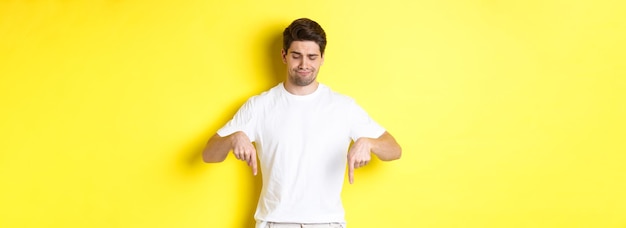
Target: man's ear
point(283, 54)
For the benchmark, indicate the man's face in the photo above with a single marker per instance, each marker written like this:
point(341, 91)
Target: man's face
point(303, 59)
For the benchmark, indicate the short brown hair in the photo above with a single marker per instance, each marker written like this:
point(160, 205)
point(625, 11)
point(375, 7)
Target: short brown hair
point(304, 29)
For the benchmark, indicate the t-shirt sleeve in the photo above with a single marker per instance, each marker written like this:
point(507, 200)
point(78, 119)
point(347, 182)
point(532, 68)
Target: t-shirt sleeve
point(243, 120)
point(362, 125)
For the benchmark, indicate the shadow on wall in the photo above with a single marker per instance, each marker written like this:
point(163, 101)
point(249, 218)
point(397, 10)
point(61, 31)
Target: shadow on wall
point(274, 73)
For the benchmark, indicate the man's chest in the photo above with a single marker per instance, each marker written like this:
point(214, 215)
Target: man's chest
point(304, 123)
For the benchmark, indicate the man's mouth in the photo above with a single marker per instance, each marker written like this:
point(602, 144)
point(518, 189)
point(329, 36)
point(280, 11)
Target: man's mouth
point(303, 72)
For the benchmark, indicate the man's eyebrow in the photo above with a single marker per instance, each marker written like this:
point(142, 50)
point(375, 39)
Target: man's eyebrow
point(298, 53)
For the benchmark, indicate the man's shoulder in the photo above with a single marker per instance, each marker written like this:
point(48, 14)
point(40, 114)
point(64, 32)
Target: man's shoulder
point(336, 96)
point(266, 96)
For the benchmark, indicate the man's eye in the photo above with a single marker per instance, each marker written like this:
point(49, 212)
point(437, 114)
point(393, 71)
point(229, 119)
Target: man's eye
point(296, 56)
point(312, 58)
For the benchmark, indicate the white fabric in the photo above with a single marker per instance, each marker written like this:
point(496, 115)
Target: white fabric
point(306, 225)
point(302, 144)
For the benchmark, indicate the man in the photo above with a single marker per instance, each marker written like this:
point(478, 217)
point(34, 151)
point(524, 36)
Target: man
point(302, 131)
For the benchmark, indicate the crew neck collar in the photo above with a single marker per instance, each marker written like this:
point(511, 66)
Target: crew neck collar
point(300, 97)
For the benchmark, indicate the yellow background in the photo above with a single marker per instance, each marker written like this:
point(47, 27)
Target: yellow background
point(510, 113)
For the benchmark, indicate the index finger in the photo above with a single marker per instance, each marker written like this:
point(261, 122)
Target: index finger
point(351, 171)
point(253, 164)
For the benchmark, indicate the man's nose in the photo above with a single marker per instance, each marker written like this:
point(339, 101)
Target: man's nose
point(303, 63)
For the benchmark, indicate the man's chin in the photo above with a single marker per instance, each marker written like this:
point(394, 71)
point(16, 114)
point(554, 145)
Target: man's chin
point(303, 82)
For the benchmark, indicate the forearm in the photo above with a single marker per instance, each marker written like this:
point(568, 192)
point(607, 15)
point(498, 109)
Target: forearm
point(385, 147)
point(217, 148)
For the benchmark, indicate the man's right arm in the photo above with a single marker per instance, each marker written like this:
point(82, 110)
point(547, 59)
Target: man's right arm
point(217, 149)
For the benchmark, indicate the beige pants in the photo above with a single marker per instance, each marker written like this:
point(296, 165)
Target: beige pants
point(303, 225)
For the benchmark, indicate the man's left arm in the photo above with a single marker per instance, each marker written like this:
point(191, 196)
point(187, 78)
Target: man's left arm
point(384, 147)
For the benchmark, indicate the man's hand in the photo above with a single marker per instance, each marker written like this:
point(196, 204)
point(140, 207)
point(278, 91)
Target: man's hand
point(358, 156)
point(244, 150)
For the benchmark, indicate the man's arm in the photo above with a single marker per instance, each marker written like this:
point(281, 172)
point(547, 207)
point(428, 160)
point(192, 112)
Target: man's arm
point(217, 149)
point(384, 147)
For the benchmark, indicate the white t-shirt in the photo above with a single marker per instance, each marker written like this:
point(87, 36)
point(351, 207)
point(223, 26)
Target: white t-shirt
point(302, 144)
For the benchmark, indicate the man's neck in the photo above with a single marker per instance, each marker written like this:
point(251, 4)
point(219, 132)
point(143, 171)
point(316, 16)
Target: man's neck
point(301, 90)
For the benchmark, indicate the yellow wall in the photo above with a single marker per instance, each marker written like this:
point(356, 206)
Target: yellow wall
point(510, 113)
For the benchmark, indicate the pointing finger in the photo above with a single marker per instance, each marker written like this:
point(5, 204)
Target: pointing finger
point(351, 171)
point(253, 162)
point(247, 158)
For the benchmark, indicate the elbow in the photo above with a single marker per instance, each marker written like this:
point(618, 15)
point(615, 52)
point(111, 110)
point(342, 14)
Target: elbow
point(211, 158)
point(398, 154)
point(393, 150)
point(206, 159)
point(395, 155)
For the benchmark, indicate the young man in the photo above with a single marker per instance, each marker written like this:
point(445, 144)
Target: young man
point(302, 131)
